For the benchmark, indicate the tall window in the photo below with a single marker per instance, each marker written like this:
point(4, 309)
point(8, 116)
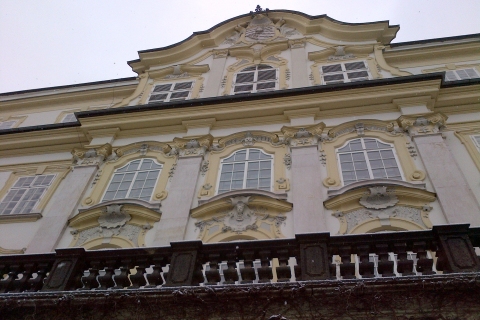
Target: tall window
point(7, 124)
point(368, 158)
point(257, 78)
point(344, 72)
point(135, 180)
point(25, 194)
point(246, 169)
point(171, 92)
point(461, 74)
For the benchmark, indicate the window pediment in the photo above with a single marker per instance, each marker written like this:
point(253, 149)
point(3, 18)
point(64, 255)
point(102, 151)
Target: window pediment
point(360, 126)
point(247, 138)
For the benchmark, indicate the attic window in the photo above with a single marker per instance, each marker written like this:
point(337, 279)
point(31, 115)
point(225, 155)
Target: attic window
point(7, 124)
point(344, 72)
point(461, 74)
point(171, 92)
point(255, 79)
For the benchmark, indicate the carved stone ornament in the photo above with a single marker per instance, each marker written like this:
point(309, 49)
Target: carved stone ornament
point(360, 127)
point(141, 148)
point(241, 216)
point(204, 167)
point(192, 147)
point(427, 124)
point(379, 198)
point(287, 160)
point(113, 217)
point(340, 54)
point(299, 136)
point(247, 138)
point(91, 156)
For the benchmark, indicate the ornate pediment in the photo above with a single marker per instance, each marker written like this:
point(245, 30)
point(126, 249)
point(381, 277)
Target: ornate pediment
point(336, 53)
point(386, 205)
point(360, 126)
point(258, 214)
point(247, 138)
point(178, 71)
point(120, 221)
point(140, 147)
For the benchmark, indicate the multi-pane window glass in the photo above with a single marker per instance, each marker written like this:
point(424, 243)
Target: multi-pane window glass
point(461, 74)
point(25, 194)
point(6, 124)
point(69, 117)
point(257, 78)
point(367, 158)
point(344, 72)
point(171, 92)
point(135, 180)
point(246, 169)
point(476, 140)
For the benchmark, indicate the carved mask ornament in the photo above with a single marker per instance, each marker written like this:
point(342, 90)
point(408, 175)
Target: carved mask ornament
point(379, 198)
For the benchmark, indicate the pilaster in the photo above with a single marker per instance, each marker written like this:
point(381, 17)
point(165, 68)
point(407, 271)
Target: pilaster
point(307, 198)
point(299, 63)
point(216, 72)
point(453, 193)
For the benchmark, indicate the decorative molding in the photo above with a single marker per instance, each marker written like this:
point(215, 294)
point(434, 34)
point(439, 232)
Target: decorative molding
point(247, 138)
point(179, 71)
point(91, 156)
point(121, 223)
point(192, 147)
point(204, 167)
point(12, 251)
point(303, 136)
point(360, 126)
point(142, 148)
point(423, 125)
point(18, 218)
point(379, 198)
point(287, 160)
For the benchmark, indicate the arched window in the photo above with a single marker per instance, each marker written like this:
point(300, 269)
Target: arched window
point(368, 158)
point(257, 78)
point(135, 180)
point(246, 169)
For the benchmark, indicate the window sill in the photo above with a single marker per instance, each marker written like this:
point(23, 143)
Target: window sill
point(16, 218)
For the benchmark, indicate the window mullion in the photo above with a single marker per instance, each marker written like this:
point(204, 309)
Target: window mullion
point(367, 160)
point(133, 182)
point(244, 182)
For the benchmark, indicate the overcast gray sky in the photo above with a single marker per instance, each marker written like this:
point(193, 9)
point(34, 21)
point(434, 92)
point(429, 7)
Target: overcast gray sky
point(60, 42)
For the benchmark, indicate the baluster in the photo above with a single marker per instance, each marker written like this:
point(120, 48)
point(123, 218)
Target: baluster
point(283, 270)
point(265, 273)
point(297, 268)
point(347, 268)
point(198, 272)
point(121, 279)
point(404, 266)
point(424, 264)
point(155, 278)
point(7, 284)
point(365, 268)
point(138, 279)
point(332, 266)
point(106, 281)
point(230, 273)
point(90, 282)
point(35, 284)
point(248, 271)
point(20, 285)
point(213, 275)
point(385, 267)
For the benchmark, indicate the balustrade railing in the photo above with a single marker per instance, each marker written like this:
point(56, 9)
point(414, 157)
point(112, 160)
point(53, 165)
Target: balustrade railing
point(319, 256)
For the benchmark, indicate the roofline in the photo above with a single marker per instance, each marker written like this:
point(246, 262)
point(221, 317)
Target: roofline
point(246, 97)
point(68, 86)
point(461, 37)
point(248, 14)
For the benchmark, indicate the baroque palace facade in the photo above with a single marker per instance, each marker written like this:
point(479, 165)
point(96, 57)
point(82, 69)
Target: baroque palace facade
point(272, 125)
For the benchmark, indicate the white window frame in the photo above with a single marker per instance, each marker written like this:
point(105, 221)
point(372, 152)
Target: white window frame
point(344, 72)
point(467, 73)
point(136, 172)
point(364, 150)
point(244, 184)
point(4, 125)
point(19, 185)
point(171, 91)
point(68, 118)
point(255, 81)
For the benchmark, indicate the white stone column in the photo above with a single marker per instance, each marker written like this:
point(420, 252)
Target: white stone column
point(457, 200)
point(60, 208)
point(299, 64)
point(216, 72)
point(306, 179)
point(176, 207)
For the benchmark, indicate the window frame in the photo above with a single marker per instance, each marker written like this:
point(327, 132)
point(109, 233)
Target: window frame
point(255, 81)
point(344, 72)
point(12, 125)
point(244, 181)
point(68, 115)
point(476, 140)
point(458, 78)
point(171, 91)
point(367, 159)
point(31, 186)
point(136, 172)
